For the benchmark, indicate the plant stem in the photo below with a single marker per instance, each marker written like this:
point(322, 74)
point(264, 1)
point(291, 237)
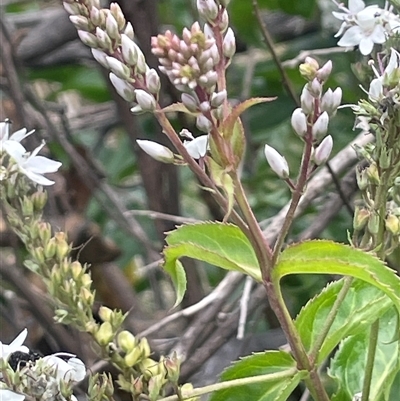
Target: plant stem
point(330, 319)
point(372, 345)
point(234, 383)
point(194, 166)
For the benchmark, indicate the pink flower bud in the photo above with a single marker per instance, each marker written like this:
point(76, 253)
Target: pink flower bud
point(203, 124)
point(156, 151)
point(190, 102)
point(145, 100)
point(307, 101)
point(118, 15)
point(324, 72)
point(229, 44)
point(71, 8)
point(331, 101)
point(141, 66)
point(315, 87)
point(218, 98)
point(299, 122)
point(96, 17)
point(118, 68)
point(320, 127)
point(277, 162)
point(323, 151)
point(153, 81)
point(104, 41)
point(208, 9)
point(123, 88)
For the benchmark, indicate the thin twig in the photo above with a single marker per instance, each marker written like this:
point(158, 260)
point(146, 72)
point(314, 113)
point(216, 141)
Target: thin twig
point(244, 303)
point(151, 214)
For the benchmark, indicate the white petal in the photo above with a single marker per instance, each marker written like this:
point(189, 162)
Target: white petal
point(38, 178)
point(15, 150)
point(352, 37)
point(356, 5)
point(41, 165)
point(19, 340)
point(4, 130)
point(79, 369)
point(375, 89)
point(197, 148)
point(20, 135)
point(393, 61)
point(378, 35)
point(366, 46)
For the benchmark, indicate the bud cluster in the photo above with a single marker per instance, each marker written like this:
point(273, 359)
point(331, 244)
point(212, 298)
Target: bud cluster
point(377, 219)
point(111, 39)
point(310, 121)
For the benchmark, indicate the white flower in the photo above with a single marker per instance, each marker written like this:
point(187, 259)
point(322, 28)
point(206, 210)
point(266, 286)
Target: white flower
point(30, 164)
point(8, 395)
point(17, 136)
point(71, 370)
point(197, 148)
point(277, 162)
point(375, 92)
point(16, 345)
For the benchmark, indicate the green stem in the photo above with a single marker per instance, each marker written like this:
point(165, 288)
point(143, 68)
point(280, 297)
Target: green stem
point(330, 319)
point(372, 345)
point(286, 374)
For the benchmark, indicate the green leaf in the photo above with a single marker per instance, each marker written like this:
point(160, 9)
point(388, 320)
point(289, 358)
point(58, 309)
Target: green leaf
point(268, 362)
point(362, 305)
point(348, 365)
point(327, 257)
point(223, 245)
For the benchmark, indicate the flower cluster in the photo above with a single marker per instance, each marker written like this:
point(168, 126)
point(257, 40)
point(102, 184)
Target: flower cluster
point(366, 26)
point(28, 163)
point(24, 373)
point(310, 121)
point(112, 41)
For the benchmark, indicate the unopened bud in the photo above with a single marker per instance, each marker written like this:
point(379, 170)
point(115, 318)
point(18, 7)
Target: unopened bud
point(331, 101)
point(315, 88)
point(105, 313)
point(144, 347)
point(86, 295)
point(126, 340)
point(97, 17)
point(148, 367)
point(112, 27)
point(362, 179)
point(128, 31)
point(117, 13)
point(103, 40)
point(39, 200)
point(153, 81)
point(373, 173)
point(308, 70)
point(154, 387)
point(130, 50)
point(132, 357)
point(208, 9)
point(323, 151)
point(203, 124)
point(71, 8)
point(104, 334)
point(76, 269)
point(80, 22)
point(307, 101)
point(145, 100)
point(277, 162)
point(218, 98)
point(324, 72)
point(361, 217)
point(118, 68)
point(392, 224)
point(229, 44)
point(123, 88)
point(50, 248)
point(136, 110)
point(62, 246)
point(44, 232)
point(156, 151)
point(320, 127)
point(299, 122)
point(373, 224)
point(190, 102)
point(172, 365)
point(100, 57)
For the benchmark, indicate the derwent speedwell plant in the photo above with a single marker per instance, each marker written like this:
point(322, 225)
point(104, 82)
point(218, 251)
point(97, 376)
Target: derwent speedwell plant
point(351, 326)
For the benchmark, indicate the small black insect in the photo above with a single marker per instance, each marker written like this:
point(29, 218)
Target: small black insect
point(20, 359)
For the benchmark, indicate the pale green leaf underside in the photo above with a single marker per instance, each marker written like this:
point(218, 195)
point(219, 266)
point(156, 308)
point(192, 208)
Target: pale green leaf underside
point(362, 305)
point(267, 362)
point(222, 245)
point(348, 365)
point(327, 257)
